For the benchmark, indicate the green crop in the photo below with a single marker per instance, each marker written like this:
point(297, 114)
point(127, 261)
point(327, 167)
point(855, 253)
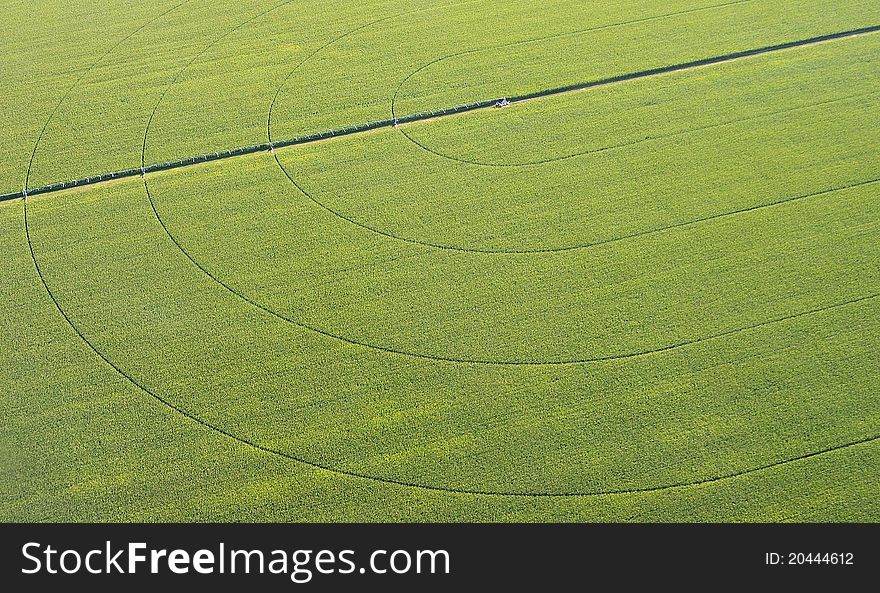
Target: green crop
point(655, 299)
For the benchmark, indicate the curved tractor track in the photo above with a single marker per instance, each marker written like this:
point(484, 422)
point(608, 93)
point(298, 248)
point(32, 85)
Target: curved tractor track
point(518, 362)
point(82, 77)
point(621, 78)
point(167, 402)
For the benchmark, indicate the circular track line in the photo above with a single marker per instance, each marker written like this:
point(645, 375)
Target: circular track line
point(166, 402)
point(458, 359)
point(336, 471)
point(80, 79)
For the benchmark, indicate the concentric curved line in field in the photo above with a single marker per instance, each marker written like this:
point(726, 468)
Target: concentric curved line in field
point(390, 350)
point(564, 248)
point(340, 37)
point(186, 67)
point(249, 442)
point(252, 444)
point(531, 40)
point(622, 78)
point(480, 361)
point(397, 91)
point(639, 141)
point(81, 78)
point(555, 36)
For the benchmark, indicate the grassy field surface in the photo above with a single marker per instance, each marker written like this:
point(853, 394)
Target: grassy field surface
point(652, 300)
point(201, 76)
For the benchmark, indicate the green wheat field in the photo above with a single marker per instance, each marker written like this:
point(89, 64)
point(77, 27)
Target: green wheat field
point(648, 289)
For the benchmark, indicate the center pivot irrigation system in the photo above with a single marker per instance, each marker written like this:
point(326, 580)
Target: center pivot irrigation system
point(395, 120)
point(242, 150)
